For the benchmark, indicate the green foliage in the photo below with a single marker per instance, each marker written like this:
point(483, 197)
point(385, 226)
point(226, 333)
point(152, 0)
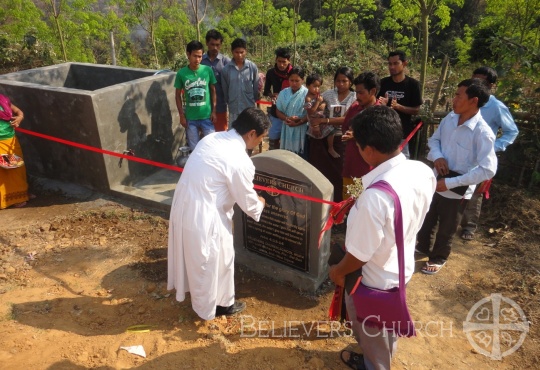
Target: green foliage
point(258, 17)
point(340, 14)
point(463, 45)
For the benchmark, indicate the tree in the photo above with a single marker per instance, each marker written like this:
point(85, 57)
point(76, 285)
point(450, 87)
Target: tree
point(199, 8)
point(296, 15)
point(414, 13)
point(54, 8)
point(342, 11)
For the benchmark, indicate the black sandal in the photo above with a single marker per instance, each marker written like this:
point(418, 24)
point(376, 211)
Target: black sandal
point(355, 360)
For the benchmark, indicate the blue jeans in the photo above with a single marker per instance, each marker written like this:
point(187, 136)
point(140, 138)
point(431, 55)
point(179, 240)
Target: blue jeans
point(274, 133)
point(205, 125)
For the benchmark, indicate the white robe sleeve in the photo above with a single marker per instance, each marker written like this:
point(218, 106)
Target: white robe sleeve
point(241, 189)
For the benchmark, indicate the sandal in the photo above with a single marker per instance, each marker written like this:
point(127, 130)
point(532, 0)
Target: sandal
point(432, 267)
point(355, 360)
point(467, 235)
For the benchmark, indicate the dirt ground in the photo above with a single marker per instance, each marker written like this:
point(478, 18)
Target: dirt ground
point(76, 276)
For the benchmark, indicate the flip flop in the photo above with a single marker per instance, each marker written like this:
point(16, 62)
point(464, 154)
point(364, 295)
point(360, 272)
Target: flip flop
point(355, 360)
point(467, 235)
point(435, 266)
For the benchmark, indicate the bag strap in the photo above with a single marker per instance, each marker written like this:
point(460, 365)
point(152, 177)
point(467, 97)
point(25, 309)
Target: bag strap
point(398, 227)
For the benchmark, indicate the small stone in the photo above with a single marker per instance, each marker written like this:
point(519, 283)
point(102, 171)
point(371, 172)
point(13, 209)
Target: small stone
point(49, 238)
point(3, 276)
point(10, 269)
point(142, 310)
point(102, 240)
point(45, 227)
point(150, 287)
point(315, 363)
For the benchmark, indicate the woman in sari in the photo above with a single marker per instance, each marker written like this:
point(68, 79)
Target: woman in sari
point(290, 109)
point(319, 156)
point(13, 185)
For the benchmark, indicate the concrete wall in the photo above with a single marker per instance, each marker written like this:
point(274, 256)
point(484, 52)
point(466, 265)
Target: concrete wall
point(108, 107)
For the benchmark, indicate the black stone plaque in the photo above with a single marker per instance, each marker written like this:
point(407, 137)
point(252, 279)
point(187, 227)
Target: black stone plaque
point(282, 234)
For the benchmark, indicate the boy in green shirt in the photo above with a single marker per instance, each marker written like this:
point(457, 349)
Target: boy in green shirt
point(196, 95)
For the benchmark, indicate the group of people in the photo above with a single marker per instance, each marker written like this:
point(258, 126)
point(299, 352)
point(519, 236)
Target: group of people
point(212, 90)
point(355, 129)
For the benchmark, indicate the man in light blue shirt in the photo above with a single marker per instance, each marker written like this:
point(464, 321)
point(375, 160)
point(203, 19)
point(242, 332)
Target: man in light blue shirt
point(497, 116)
point(463, 155)
point(240, 80)
point(217, 61)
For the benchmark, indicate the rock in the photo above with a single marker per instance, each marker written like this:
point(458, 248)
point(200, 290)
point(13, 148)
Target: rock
point(150, 287)
point(45, 227)
point(49, 238)
point(315, 363)
point(10, 269)
point(142, 310)
point(3, 277)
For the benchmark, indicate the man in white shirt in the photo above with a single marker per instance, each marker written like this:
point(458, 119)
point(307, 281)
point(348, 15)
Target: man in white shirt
point(463, 155)
point(217, 175)
point(370, 240)
point(498, 117)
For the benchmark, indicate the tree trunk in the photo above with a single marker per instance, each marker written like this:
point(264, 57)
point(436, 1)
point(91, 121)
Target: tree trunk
point(440, 84)
point(113, 52)
point(425, 39)
point(61, 36)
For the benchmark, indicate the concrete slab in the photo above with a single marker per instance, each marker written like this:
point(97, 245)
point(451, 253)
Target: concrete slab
point(156, 190)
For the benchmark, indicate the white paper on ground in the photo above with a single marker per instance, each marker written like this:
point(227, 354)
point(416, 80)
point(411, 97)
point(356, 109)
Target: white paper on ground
point(136, 350)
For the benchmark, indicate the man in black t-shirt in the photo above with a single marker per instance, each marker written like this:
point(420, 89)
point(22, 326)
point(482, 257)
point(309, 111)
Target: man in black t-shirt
point(402, 93)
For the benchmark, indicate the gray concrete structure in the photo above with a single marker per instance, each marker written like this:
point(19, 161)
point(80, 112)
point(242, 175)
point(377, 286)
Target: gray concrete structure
point(304, 273)
point(107, 107)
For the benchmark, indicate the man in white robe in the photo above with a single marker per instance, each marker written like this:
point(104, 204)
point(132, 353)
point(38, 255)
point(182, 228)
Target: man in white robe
point(218, 174)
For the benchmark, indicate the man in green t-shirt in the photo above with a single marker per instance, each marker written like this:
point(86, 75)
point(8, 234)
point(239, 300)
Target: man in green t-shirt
point(196, 95)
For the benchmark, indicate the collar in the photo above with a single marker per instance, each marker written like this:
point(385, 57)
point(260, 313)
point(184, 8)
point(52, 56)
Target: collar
point(283, 74)
point(381, 169)
point(236, 136)
point(218, 57)
point(471, 122)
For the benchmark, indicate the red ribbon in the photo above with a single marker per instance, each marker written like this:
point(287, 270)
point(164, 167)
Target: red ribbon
point(337, 212)
point(263, 102)
point(102, 151)
point(484, 188)
point(408, 138)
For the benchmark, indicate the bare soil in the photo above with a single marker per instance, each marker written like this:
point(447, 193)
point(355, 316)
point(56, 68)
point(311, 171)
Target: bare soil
point(77, 275)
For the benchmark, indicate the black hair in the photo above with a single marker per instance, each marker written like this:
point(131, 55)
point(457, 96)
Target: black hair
point(283, 53)
point(476, 88)
point(194, 45)
point(297, 71)
point(370, 80)
point(490, 73)
point(347, 72)
point(312, 78)
point(238, 43)
point(378, 126)
point(214, 34)
point(251, 119)
point(400, 53)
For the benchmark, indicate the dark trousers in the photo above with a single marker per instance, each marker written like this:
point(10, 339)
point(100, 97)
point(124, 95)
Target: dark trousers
point(447, 214)
point(471, 215)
